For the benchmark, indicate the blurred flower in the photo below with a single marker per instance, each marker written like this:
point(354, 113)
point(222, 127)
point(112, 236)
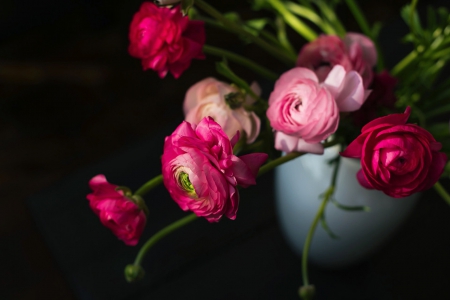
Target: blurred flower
point(355, 52)
point(164, 39)
point(211, 97)
point(201, 173)
point(116, 211)
point(397, 158)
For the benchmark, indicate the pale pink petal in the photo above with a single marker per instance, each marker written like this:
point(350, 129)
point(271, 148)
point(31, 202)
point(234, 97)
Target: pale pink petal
point(335, 80)
point(352, 95)
point(284, 142)
point(303, 146)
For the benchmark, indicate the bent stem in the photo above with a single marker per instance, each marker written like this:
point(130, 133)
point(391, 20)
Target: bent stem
point(327, 196)
point(162, 233)
point(149, 185)
point(242, 61)
point(278, 53)
point(188, 219)
point(442, 192)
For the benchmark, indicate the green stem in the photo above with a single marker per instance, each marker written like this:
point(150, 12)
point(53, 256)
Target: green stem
point(328, 193)
point(293, 21)
point(282, 159)
point(362, 22)
point(162, 233)
point(310, 236)
point(442, 192)
point(242, 61)
point(149, 185)
point(276, 52)
point(398, 68)
point(186, 220)
point(359, 16)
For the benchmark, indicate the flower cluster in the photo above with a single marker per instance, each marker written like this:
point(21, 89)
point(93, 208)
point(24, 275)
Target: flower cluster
point(328, 94)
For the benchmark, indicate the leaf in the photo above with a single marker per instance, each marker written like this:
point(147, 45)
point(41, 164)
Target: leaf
point(349, 208)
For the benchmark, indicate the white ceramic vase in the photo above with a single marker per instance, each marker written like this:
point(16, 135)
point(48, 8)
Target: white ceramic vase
point(298, 185)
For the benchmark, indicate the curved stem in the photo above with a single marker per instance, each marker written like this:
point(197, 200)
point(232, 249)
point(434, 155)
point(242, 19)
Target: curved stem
point(188, 219)
point(149, 185)
point(309, 237)
point(266, 73)
point(282, 159)
point(276, 52)
point(442, 192)
point(160, 234)
point(328, 193)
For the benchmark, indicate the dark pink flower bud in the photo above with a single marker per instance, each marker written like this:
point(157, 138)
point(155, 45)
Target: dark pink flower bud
point(116, 211)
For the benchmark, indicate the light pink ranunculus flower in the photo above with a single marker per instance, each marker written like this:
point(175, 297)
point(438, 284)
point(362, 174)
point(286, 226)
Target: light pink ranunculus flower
point(164, 39)
point(355, 52)
point(397, 158)
point(304, 112)
point(116, 211)
point(207, 98)
point(201, 172)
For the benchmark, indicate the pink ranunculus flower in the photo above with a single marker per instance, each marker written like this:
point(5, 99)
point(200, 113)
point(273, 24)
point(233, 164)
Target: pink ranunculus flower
point(355, 52)
point(116, 211)
point(164, 39)
point(304, 112)
point(201, 173)
point(207, 98)
point(397, 158)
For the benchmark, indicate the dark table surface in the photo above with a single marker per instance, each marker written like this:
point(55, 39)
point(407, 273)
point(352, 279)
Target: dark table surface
point(242, 259)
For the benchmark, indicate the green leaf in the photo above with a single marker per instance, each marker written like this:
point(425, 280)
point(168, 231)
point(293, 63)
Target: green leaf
point(186, 5)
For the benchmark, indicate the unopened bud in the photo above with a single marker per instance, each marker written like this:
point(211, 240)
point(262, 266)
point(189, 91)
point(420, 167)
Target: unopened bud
point(307, 292)
point(133, 273)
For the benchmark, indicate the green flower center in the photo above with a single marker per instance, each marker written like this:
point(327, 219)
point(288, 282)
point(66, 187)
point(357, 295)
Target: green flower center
point(185, 183)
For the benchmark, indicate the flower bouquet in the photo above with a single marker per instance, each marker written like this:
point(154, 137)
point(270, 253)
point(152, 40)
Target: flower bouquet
point(333, 91)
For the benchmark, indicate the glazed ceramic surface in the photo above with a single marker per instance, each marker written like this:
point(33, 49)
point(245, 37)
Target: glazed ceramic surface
point(298, 185)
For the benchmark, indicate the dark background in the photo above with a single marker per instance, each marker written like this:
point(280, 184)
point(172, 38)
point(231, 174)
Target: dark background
point(70, 95)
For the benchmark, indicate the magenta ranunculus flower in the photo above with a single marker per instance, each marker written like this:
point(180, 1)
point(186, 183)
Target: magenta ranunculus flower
point(201, 172)
point(164, 39)
point(397, 158)
point(116, 211)
point(304, 112)
point(208, 98)
point(355, 52)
